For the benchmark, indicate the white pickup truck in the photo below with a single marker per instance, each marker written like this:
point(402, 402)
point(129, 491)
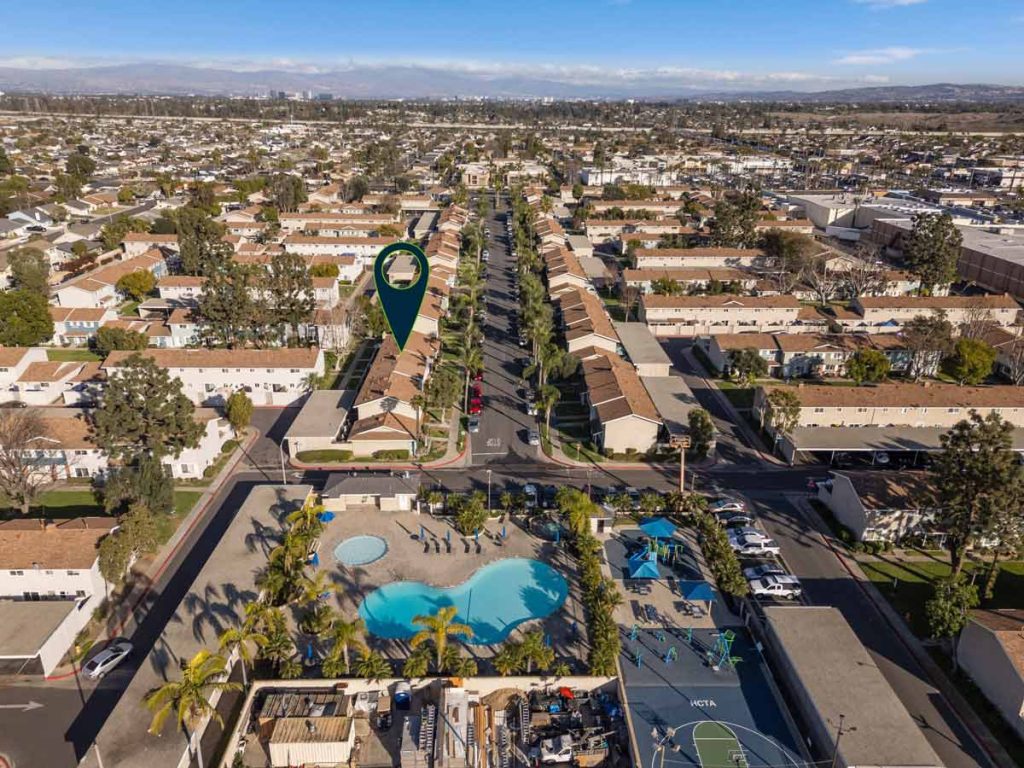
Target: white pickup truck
point(784, 587)
point(753, 545)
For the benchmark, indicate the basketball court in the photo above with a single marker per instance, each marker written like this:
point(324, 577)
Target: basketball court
point(703, 699)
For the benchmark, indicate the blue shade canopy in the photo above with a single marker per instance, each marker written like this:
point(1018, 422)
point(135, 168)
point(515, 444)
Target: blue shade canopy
point(658, 528)
point(326, 517)
point(696, 590)
point(644, 565)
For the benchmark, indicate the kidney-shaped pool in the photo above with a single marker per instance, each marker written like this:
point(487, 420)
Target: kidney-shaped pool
point(493, 601)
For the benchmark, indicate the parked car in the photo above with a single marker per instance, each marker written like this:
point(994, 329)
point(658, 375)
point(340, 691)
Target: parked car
point(478, 376)
point(531, 408)
point(734, 519)
point(530, 494)
point(107, 659)
point(881, 458)
point(753, 545)
point(549, 496)
point(478, 390)
point(785, 587)
point(476, 405)
point(726, 505)
point(634, 495)
point(761, 570)
point(473, 425)
point(533, 438)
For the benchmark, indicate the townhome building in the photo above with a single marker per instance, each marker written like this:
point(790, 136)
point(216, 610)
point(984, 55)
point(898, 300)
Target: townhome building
point(563, 270)
point(623, 418)
point(665, 208)
point(880, 314)
point(708, 258)
point(689, 278)
point(138, 243)
point(50, 584)
point(364, 249)
point(690, 316)
point(584, 321)
point(299, 222)
point(77, 326)
point(209, 376)
point(183, 289)
point(97, 288)
point(14, 361)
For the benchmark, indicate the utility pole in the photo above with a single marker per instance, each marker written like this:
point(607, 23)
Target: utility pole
point(488, 492)
point(839, 735)
point(683, 443)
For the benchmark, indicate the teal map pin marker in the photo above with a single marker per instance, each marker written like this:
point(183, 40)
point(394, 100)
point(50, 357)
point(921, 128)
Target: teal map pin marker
point(401, 304)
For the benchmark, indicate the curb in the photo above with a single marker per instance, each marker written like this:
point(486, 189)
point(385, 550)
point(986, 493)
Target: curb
point(963, 711)
point(181, 534)
point(378, 467)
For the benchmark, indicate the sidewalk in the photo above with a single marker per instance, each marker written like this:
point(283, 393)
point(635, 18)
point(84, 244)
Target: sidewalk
point(910, 641)
point(123, 617)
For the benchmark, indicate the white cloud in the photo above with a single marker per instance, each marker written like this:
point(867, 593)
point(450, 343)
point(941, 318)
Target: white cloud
point(884, 4)
point(873, 56)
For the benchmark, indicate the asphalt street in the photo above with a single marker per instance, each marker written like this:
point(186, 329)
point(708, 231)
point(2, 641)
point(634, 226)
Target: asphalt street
point(504, 423)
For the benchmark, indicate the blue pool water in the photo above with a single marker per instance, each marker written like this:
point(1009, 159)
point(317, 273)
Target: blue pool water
point(493, 601)
point(360, 550)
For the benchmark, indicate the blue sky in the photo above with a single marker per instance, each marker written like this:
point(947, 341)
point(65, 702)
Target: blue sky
point(800, 44)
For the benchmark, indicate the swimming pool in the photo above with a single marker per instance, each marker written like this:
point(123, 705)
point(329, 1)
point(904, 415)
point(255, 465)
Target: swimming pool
point(493, 601)
point(360, 550)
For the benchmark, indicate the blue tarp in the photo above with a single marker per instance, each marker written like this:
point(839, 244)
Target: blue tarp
point(696, 590)
point(644, 565)
point(326, 517)
point(658, 528)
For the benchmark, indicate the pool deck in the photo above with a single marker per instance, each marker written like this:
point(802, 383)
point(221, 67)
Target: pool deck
point(409, 559)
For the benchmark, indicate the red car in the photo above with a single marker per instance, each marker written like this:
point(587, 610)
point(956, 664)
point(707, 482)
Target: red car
point(478, 376)
point(476, 405)
point(478, 390)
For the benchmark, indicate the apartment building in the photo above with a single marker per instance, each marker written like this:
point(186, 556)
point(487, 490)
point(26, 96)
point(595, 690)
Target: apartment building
point(893, 404)
point(210, 376)
point(76, 326)
point(563, 270)
point(690, 316)
point(879, 314)
point(689, 278)
point(138, 243)
point(363, 248)
point(14, 361)
point(322, 222)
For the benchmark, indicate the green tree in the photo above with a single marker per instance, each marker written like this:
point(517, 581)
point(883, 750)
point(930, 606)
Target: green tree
point(113, 232)
point(239, 411)
point(136, 285)
point(547, 399)
point(80, 166)
point(30, 270)
point(928, 339)
point(976, 474)
point(933, 248)
point(438, 629)
point(948, 610)
point(356, 188)
point(226, 309)
point(114, 557)
point(735, 221)
point(868, 365)
point(791, 257)
point(470, 512)
point(188, 699)
point(748, 365)
point(291, 290)
point(702, 432)
point(286, 192)
point(533, 650)
point(508, 660)
point(666, 286)
point(368, 321)
point(24, 318)
point(199, 241)
point(144, 411)
point(783, 410)
point(141, 481)
point(577, 191)
point(23, 471)
point(324, 269)
point(201, 197)
point(141, 529)
point(971, 361)
point(417, 664)
point(110, 338)
point(6, 166)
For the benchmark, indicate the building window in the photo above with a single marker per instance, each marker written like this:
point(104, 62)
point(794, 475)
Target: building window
point(80, 593)
point(72, 573)
point(17, 573)
point(952, 410)
point(81, 472)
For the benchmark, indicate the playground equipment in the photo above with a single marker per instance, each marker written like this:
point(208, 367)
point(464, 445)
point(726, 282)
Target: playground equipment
point(671, 655)
point(720, 653)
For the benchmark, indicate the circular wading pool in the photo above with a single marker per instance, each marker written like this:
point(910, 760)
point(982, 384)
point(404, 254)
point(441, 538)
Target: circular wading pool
point(360, 550)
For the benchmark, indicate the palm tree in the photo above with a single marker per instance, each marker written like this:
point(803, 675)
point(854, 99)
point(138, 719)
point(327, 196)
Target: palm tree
point(243, 638)
point(345, 635)
point(188, 699)
point(318, 620)
point(307, 519)
point(534, 649)
point(548, 396)
point(419, 402)
point(316, 588)
point(437, 629)
point(372, 666)
point(506, 500)
point(508, 659)
point(417, 664)
point(472, 361)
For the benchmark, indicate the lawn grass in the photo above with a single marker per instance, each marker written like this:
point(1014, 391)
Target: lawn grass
point(61, 504)
point(71, 355)
point(908, 585)
point(741, 398)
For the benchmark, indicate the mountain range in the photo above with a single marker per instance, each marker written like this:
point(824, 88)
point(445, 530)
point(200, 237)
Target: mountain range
point(430, 82)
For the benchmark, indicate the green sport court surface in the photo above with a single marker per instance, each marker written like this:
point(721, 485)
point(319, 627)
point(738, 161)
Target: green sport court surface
point(717, 746)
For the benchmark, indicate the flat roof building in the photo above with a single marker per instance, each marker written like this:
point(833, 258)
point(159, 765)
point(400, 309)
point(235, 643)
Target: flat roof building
point(642, 349)
point(831, 675)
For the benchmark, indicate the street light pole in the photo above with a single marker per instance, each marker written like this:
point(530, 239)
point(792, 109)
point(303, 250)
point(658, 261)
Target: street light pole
point(839, 735)
point(488, 492)
point(280, 453)
point(683, 443)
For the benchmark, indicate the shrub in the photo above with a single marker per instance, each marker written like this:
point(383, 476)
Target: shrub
point(229, 446)
point(391, 455)
point(326, 456)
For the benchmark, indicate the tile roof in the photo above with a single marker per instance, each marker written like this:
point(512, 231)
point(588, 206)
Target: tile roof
point(304, 357)
point(615, 390)
point(724, 301)
point(72, 544)
point(908, 395)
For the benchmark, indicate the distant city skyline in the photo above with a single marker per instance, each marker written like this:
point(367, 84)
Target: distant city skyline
point(803, 45)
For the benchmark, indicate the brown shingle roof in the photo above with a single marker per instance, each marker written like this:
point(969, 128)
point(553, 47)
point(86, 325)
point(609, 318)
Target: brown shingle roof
point(26, 544)
point(930, 395)
point(615, 390)
point(222, 358)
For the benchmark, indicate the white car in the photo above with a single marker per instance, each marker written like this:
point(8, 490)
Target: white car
point(531, 409)
point(785, 587)
point(727, 505)
point(107, 659)
point(751, 545)
point(755, 572)
point(530, 494)
point(533, 438)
